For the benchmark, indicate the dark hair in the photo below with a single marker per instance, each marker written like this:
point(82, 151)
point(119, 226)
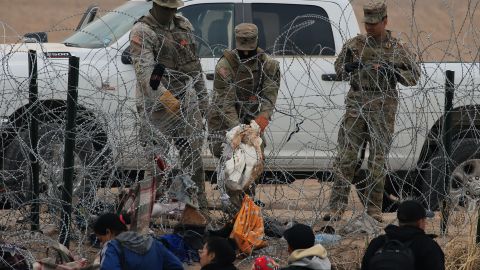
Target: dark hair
point(224, 250)
point(109, 221)
point(299, 236)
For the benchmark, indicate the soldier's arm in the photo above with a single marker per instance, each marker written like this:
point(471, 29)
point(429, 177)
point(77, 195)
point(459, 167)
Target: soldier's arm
point(408, 69)
point(142, 42)
point(199, 82)
point(224, 94)
point(270, 88)
point(341, 60)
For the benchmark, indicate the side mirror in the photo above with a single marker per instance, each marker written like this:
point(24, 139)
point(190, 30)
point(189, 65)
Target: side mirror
point(126, 57)
point(41, 37)
point(88, 17)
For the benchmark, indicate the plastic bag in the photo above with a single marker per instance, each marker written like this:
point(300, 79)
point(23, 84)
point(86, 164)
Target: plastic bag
point(248, 230)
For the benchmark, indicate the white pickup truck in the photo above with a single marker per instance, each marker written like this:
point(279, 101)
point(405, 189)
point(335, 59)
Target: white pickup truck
point(304, 35)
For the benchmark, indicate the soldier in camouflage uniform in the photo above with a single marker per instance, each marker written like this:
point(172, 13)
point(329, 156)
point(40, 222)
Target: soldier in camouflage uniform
point(171, 93)
point(245, 88)
point(373, 63)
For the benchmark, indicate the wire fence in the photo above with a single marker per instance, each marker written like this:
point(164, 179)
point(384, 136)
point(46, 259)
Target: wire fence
point(301, 141)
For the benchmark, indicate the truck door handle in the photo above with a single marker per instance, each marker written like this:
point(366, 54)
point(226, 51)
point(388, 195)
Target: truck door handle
point(210, 76)
point(330, 77)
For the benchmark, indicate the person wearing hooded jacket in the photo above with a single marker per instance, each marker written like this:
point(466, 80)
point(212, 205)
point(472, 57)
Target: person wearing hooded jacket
point(412, 221)
point(218, 254)
point(124, 249)
point(304, 254)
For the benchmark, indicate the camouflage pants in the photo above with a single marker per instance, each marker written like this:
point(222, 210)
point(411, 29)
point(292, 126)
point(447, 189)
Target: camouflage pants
point(159, 129)
point(362, 124)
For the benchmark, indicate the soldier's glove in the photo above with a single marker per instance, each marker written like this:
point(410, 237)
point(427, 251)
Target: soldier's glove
point(262, 122)
point(171, 103)
point(349, 67)
point(388, 71)
point(156, 76)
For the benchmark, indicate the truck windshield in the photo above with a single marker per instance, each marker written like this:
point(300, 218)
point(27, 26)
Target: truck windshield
point(109, 28)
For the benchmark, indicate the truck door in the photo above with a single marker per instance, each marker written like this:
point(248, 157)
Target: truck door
point(213, 26)
point(309, 107)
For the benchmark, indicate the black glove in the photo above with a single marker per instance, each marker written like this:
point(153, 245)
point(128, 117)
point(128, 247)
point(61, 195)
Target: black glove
point(156, 76)
point(349, 67)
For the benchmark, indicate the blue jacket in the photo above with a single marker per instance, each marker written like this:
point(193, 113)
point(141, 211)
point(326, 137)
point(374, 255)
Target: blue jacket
point(140, 252)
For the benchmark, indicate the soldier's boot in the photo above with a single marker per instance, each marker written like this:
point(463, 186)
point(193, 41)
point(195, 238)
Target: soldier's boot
point(375, 213)
point(338, 200)
point(192, 216)
point(374, 206)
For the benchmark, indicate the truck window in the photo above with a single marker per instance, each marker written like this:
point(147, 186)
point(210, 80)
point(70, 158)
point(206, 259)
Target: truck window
point(287, 29)
point(106, 30)
point(213, 27)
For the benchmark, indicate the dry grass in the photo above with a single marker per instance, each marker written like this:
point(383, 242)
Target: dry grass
point(460, 250)
point(462, 255)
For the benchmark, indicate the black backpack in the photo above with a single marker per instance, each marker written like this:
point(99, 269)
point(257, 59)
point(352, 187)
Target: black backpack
point(393, 255)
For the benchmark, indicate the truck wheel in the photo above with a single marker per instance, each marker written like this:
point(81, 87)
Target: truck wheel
point(90, 165)
point(433, 185)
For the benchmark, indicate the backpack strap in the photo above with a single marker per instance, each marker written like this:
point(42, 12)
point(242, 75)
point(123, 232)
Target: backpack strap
point(406, 243)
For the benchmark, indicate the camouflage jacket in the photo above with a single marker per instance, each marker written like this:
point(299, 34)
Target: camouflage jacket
point(244, 90)
point(390, 52)
point(174, 47)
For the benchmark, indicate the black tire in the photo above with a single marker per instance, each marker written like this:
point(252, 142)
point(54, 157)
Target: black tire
point(91, 165)
point(433, 187)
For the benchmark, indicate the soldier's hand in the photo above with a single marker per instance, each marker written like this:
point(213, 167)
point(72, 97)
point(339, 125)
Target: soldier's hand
point(388, 71)
point(262, 122)
point(171, 103)
point(156, 76)
point(349, 67)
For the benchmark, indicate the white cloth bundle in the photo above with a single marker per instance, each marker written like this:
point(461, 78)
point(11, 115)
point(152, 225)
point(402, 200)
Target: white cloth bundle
point(244, 156)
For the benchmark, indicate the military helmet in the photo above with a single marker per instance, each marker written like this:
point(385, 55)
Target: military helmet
point(246, 36)
point(169, 3)
point(374, 11)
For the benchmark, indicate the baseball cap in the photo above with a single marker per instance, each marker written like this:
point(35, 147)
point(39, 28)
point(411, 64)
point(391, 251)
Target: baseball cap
point(411, 211)
point(374, 11)
point(246, 36)
point(300, 236)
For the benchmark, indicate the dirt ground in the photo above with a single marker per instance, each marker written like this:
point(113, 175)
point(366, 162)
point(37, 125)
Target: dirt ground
point(303, 201)
point(438, 29)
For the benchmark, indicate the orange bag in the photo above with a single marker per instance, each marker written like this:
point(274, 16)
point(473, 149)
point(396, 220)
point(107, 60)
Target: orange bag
point(248, 230)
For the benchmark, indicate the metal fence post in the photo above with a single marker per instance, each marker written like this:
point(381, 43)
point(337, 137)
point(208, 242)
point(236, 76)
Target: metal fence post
point(68, 157)
point(447, 143)
point(35, 169)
